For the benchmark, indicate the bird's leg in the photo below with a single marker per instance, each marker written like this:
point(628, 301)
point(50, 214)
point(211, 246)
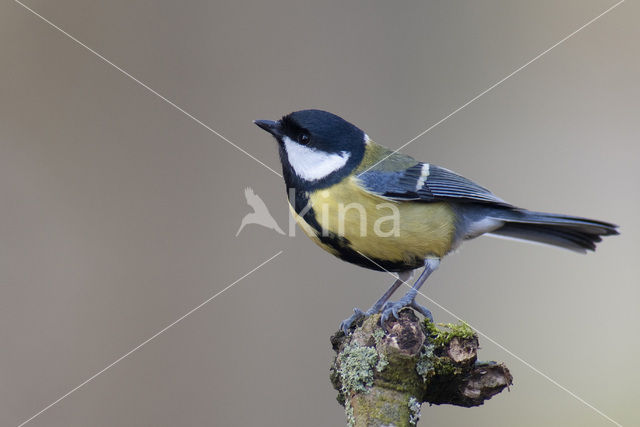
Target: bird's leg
point(408, 300)
point(402, 278)
point(377, 307)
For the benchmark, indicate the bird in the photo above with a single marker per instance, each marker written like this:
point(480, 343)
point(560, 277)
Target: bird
point(386, 211)
point(260, 214)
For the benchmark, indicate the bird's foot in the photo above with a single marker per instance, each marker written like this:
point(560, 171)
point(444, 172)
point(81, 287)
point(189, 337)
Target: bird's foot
point(392, 308)
point(422, 310)
point(346, 324)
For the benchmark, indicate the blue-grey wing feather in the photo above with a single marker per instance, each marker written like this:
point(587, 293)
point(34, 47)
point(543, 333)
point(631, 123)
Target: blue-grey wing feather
point(388, 184)
point(427, 183)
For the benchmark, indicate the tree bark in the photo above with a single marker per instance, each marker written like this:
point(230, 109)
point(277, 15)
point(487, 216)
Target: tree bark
point(382, 377)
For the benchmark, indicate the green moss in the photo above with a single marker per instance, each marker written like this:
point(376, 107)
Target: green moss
point(443, 366)
point(440, 337)
point(400, 375)
point(383, 407)
point(414, 410)
point(356, 368)
point(380, 408)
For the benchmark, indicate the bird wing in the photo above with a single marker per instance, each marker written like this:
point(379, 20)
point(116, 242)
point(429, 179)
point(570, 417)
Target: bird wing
point(422, 182)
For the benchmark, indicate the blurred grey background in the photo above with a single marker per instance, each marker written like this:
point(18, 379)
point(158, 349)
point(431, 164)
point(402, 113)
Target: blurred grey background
point(119, 213)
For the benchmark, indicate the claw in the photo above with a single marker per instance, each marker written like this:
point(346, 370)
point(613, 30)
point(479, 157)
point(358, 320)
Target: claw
point(392, 308)
point(422, 310)
point(346, 324)
point(372, 310)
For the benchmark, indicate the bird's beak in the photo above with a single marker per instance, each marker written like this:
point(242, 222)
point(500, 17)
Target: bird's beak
point(270, 126)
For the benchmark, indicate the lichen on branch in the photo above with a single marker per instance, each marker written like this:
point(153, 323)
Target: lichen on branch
point(382, 377)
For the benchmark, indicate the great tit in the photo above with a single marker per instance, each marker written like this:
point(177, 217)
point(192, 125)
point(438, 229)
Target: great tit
point(389, 212)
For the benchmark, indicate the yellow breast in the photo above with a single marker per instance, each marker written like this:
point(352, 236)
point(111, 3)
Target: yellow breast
point(379, 228)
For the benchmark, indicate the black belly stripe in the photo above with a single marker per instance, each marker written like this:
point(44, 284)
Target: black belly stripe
point(342, 246)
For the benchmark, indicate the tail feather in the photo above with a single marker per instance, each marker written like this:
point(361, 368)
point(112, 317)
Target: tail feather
point(574, 233)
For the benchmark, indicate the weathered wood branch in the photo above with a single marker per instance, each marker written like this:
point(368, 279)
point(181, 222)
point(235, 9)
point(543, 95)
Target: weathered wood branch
point(383, 378)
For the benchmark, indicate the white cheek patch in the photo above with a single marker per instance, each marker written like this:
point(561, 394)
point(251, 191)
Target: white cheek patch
point(311, 164)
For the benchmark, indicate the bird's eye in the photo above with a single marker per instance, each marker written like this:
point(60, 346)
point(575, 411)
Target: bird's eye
point(303, 138)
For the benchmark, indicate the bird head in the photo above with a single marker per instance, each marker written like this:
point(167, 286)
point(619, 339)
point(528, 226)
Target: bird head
point(317, 148)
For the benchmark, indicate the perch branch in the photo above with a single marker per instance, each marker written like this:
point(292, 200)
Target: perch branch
point(383, 378)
